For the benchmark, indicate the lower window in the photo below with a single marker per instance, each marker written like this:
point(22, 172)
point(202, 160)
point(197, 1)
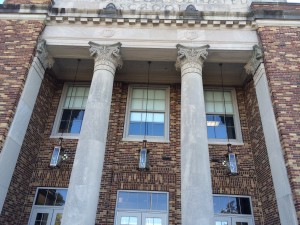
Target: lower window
point(141, 208)
point(48, 206)
point(232, 210)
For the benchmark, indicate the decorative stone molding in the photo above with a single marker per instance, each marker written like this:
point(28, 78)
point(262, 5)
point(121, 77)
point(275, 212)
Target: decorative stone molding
point(107, 57)
point(255, 61)
point(191, 59)
point(43, 55)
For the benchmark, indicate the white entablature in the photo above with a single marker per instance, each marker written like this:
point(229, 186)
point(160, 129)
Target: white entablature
point(161, 5)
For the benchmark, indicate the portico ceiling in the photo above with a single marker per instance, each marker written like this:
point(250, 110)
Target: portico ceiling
point(162, 72)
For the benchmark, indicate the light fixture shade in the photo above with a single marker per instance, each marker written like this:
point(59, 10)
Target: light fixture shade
point(143, 162)
point(231, 162)
point(55, 158)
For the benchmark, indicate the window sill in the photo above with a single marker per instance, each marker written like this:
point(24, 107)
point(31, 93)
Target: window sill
point(137, 139)
point(64, 136)
point(225, 142)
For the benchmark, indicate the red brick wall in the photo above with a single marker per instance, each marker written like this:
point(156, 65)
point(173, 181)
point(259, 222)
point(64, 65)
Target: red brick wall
point(281, 48)
point(122, 157)
point(16, 198)
point(260, 156)
point(35, 2)
point(17, 42)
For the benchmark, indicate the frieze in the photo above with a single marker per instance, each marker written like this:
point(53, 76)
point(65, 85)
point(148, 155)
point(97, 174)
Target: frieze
point(112, 6)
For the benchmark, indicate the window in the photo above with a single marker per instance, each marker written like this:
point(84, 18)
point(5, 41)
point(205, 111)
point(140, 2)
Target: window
point(147, 113)
point(71, 110)
point(219, 126)
point(226, 204)
point(48, 206)
point(232, 210)
point(141, 208)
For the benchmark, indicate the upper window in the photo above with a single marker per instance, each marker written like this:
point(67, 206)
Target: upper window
point(222, 115)
point(147, 113)
point(71, 110)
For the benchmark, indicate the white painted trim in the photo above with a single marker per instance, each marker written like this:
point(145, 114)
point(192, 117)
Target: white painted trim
point(266, 22)
point(166, 137)
point(15, 16)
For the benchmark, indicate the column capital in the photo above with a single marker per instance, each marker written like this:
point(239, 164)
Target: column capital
point(255, 61)
point(191, 59)
point(107, 57)
point(43, 55)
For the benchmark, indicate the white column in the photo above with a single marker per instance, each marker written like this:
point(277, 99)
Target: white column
point(14, 140)
point(83, 193)
point(196, 187)
point(286, 208)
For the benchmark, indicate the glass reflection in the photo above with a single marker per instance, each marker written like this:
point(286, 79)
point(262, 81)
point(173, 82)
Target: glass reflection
point(51, 197)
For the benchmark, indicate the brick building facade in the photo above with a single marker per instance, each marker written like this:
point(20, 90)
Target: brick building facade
point(237, 81)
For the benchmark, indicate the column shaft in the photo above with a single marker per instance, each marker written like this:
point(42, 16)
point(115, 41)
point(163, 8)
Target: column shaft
point(196, 188)
point(15, 137)
point(286, 208)
point(83, 193)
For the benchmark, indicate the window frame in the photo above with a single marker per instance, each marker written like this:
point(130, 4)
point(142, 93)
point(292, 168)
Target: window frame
point(59, 112)
point(165, 138)
point(236, 118)
point(37, 207)
point(233, 214)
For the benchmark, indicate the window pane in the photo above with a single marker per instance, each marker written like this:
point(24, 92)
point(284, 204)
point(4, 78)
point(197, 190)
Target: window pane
point(58, 219)
point(160, 94)
point(159, 105)
point(61, 195)
point(51, 196)
point(159, 117)
point(159, 201)
point(219, 107)
point(209, 95)
point(216, 201)
point(223, 201)
point(133, 200)
point(41, 197)
point(245, 206)
point(231, 132)
point(229, 107)
point(136, 117)
point(86, 92)
point(209, 107)
point(71, 121)
point(71, 91)
point(227, 96)
point(150, 105)
point(150, 94)
point(80, 91)
point(158, 129)
point(137, 104)
point(137, 93)
point(232, 205)
point(77, 103)
point(221, 132)
point(218, 96)
point(153, 221)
